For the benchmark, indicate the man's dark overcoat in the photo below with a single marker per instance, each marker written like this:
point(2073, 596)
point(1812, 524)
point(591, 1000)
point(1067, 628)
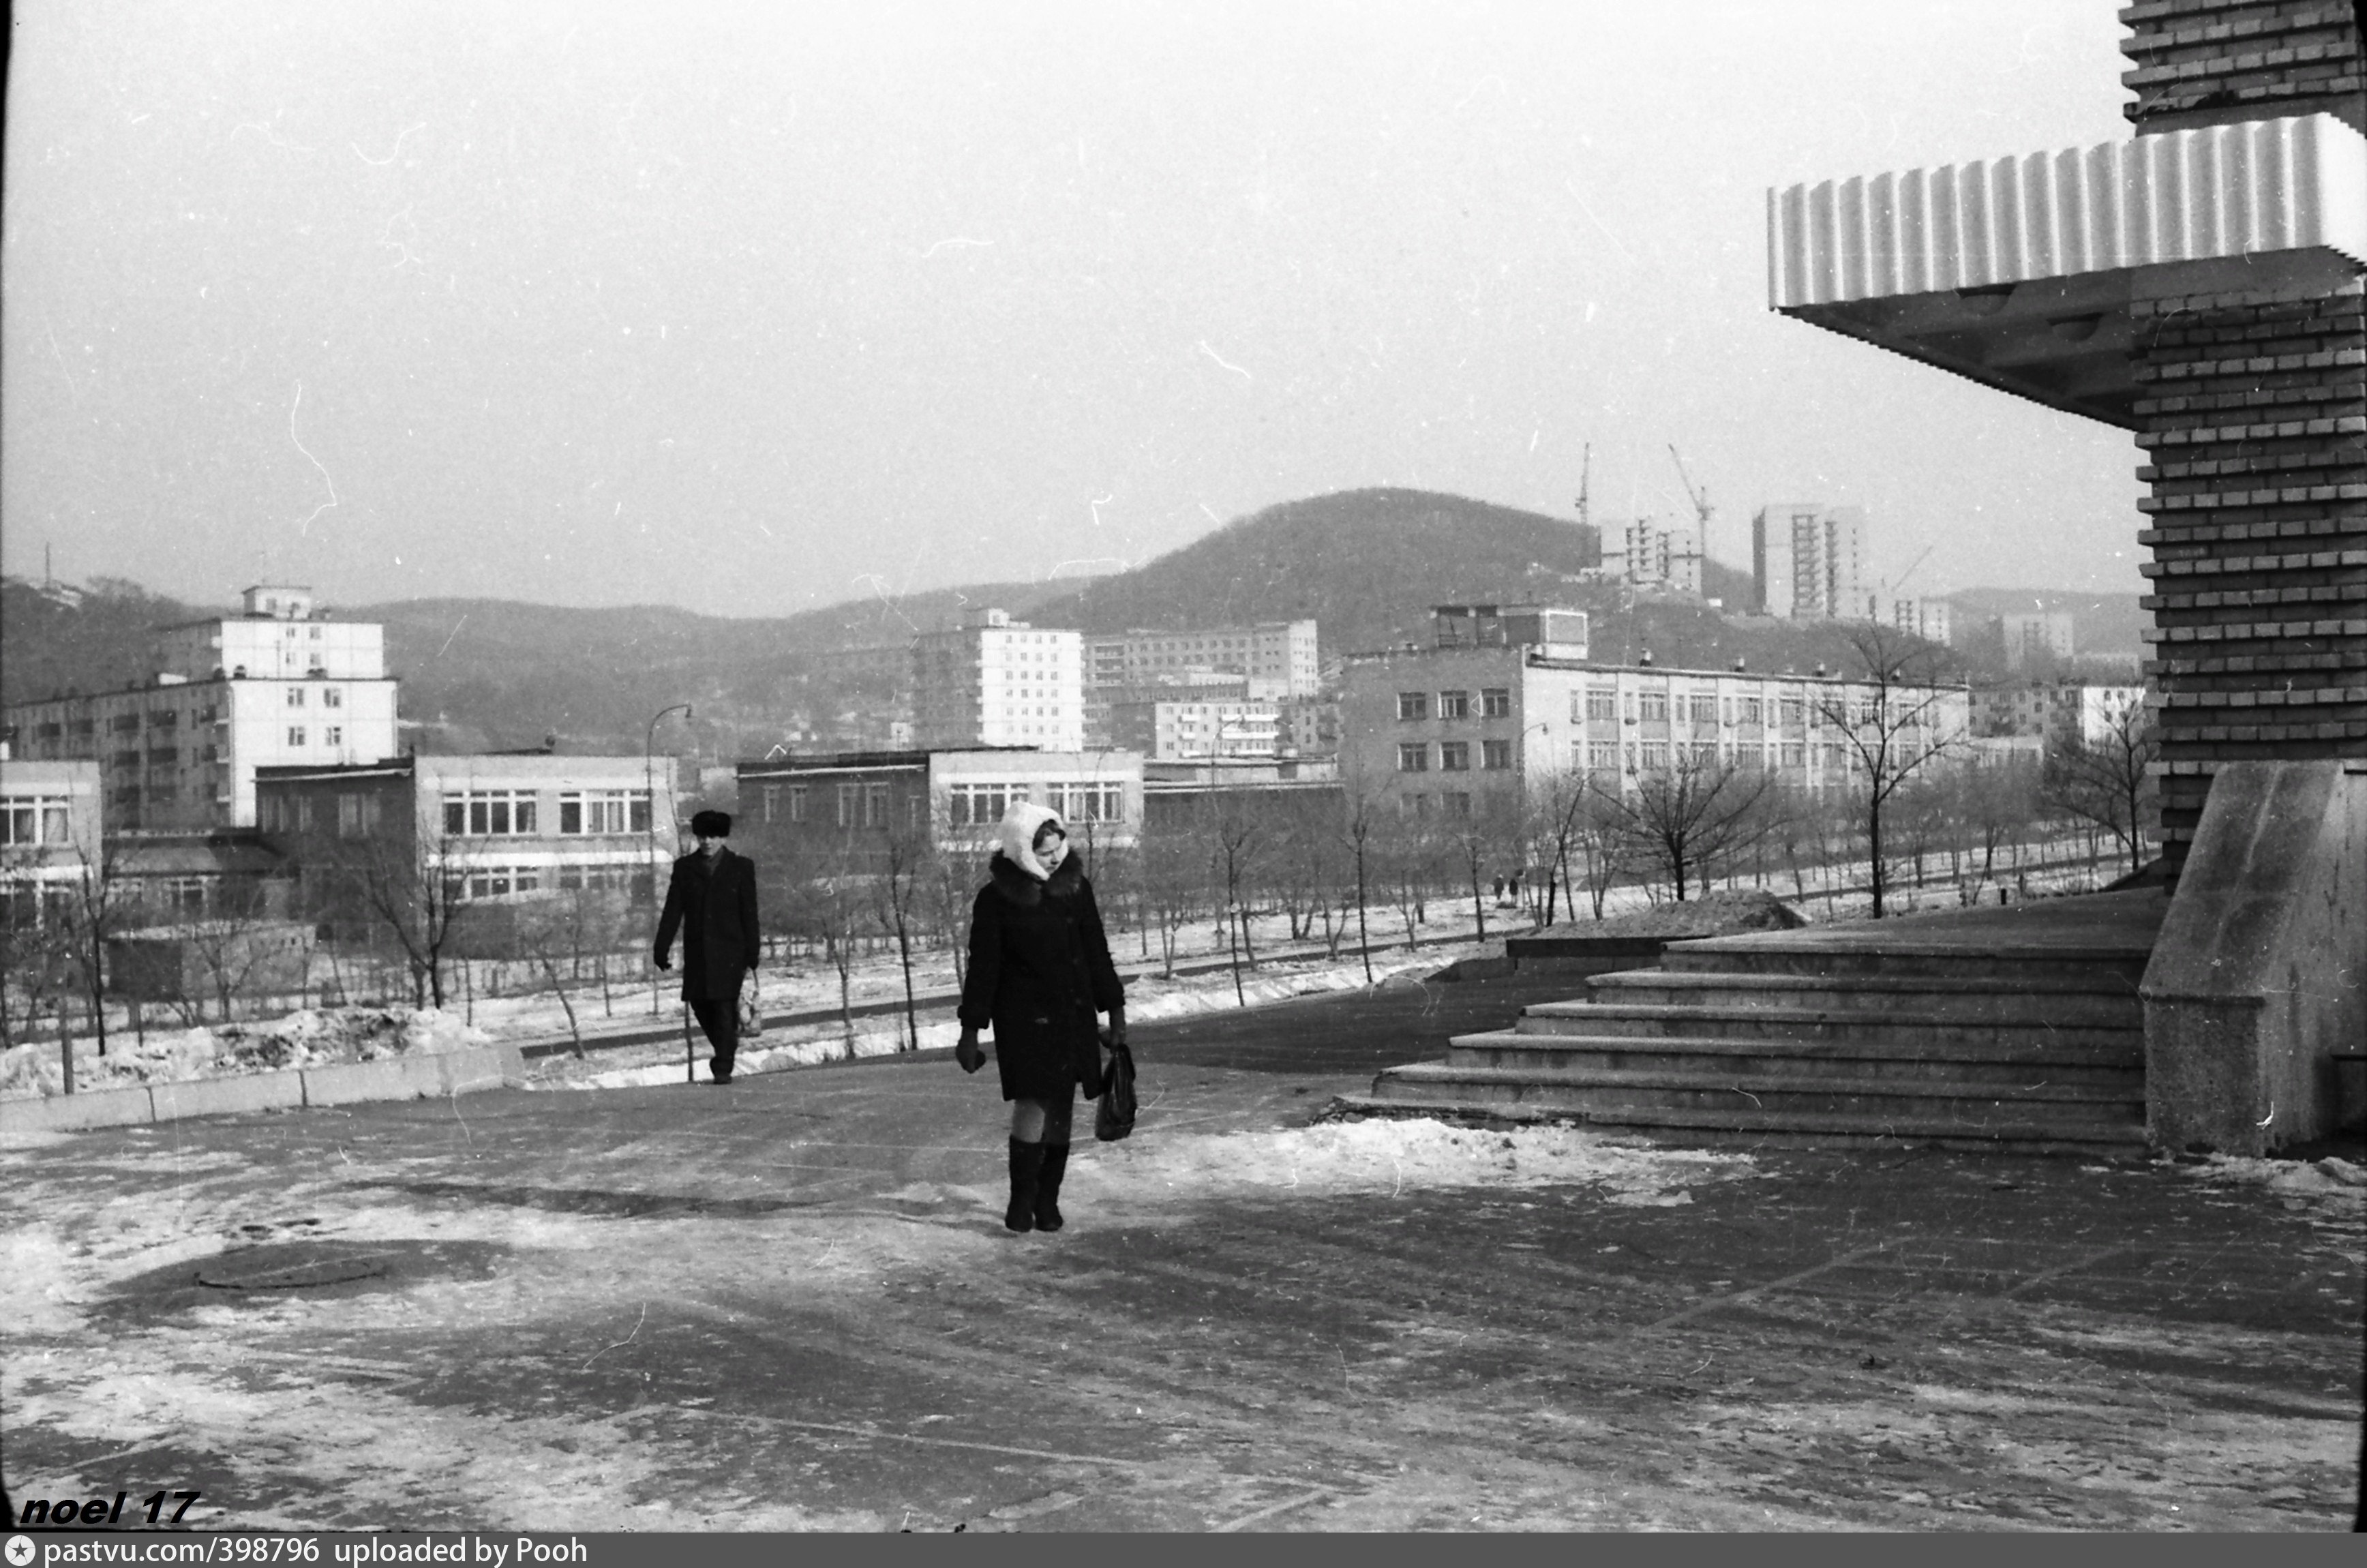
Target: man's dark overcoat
point(1039, 969)
point(715, 908)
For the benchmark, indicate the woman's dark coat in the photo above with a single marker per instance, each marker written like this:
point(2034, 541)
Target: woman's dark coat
point(715, 911)
point(1039, 969)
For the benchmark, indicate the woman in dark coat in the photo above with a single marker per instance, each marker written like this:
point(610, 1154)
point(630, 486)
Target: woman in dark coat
point(1039, 969)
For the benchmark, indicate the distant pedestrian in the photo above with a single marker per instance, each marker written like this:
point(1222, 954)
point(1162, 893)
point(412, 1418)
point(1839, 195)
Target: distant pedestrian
point(712, 899)
point(1039, 970)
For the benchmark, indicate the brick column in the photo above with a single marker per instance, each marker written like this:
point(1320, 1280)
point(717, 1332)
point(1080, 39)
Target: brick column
point(2252, 409)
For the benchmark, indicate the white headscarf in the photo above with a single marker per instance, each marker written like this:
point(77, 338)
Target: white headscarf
point(1021, 823)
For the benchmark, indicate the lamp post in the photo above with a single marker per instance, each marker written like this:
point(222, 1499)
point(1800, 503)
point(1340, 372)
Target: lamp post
point(650, 785)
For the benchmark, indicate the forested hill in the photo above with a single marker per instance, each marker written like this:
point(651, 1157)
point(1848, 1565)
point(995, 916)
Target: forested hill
point(1365, 565)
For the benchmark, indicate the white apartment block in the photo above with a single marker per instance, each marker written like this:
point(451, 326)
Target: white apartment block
point(999, 682)
point(1278, 657)
point(1808, 562)
point(1931, 620)
point(2034, 633)
point(277, 686)
point(1188, 731)
point(2093, 712)
point(1438, 731)
point(1646, 556)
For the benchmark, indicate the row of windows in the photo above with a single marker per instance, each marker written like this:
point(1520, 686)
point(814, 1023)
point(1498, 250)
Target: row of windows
point(1495, 702)
point(1454, 756)
point(331, 734)
point(1657, 757)
point(493, 813)
point(34, 819)
point(331, 697)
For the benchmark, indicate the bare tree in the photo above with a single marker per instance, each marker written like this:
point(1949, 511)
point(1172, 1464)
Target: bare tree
point(1699, 808)
point(2106, 779)
point(411, 886)
point(1173, 877)
point(1356, 830)
point(905, 855)
point(1888, 722)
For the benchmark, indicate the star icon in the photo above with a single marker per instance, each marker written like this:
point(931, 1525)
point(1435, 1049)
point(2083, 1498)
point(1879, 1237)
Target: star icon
point(21, 1550)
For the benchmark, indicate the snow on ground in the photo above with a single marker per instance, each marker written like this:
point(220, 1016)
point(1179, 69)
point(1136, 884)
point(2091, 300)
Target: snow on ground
point(2335, 1184)
point(1392, 1155)
point(310, 1037)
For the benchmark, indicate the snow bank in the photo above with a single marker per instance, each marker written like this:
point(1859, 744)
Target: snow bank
point(2335, 1182)
point(312, 1038)
point(1392, 1156)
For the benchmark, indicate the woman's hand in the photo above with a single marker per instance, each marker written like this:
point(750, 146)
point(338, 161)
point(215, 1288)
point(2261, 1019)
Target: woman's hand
point(967, 1053)
point(1118, 1026)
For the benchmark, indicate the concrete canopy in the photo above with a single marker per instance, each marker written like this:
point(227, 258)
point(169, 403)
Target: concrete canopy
point(2019, 272)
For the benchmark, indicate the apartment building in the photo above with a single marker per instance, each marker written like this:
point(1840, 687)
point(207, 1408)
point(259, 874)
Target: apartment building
point(1179, 731)
point(1931, 620)
point(2054, 712)
point(1443, 730)
point(2034, 634)
point(1809, 562)
point(1277, 658)
point(802, 813)
point(50, 821)
point(277, 685)
point(994, 681)
point(493, 824)
point(1645, 555)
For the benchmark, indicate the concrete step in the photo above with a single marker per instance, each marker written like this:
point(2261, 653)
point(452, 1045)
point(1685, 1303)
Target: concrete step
point(2104, 967)
point(2039, 999)
point(1758, 1131)
point(2050, 1104)
point(1808, 1025)
point(2009, 1064)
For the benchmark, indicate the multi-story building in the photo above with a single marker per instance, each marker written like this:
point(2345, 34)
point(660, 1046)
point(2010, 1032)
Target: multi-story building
point(800, 814)
point(51, 817)
point(1177, 730)
point(2053, 712)
point(1443, 730)
point(277, 685)
point(1931, 620)
point(994, 681)
point(2034, 633)
point(1278, 657)
point(492, 824)
point(1307, 727)
point(1645, 555)
point(1808, 562)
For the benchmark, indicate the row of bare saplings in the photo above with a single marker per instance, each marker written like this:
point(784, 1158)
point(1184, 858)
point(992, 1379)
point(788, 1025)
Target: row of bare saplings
point(1349, 868)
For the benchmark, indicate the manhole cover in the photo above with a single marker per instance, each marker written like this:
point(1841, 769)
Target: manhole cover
point(290, 1269)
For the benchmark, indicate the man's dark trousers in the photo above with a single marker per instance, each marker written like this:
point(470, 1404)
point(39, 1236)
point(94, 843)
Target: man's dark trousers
point(720, 1023)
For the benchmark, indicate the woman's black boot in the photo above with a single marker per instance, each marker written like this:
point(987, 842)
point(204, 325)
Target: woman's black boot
point(1027, 1165)
point(1047, 1187)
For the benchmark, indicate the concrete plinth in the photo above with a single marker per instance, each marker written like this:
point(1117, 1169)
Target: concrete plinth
point(2259, 975)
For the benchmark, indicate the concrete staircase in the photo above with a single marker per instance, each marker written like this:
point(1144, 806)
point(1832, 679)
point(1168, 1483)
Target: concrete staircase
point(1966, 1037)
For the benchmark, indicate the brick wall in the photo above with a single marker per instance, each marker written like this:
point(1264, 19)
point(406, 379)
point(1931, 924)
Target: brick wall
point(2254, 415)
point(2210, 61)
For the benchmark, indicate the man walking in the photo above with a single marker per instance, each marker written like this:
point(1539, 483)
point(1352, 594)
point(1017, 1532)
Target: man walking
point(712, 899)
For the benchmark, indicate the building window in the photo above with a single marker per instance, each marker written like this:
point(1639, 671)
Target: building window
point(980, 805)
point(1653, 706)
point(1603, 757)
point(1654, 756)
point(1455, 705)
point(772, 801)
point(479, 814)
point(295, 697)
point(1754, 710)
point(1413, 757)
point(303, 813)
point(332, 696)
point(1456, 803)
point(1796, 754)
point(335, 735)
point(1413, 705)
point(356, 816)
point(602, 810)
point(850, 803)
point(1454, 756)
point(1793, 708)
point(35, 819)
point(875, 805)
point(1705, 708)
point(1088, 802)
point(295, 735)
point(1496, 702)
point(797, 803)
point(1495, 755)
point(495, 881)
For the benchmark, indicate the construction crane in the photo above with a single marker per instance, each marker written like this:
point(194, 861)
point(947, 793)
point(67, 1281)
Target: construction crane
point(1700, 498)
point(1585, 473)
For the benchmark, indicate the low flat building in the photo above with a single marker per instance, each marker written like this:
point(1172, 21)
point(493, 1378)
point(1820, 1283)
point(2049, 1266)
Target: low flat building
point(845, 808)
point(51, 822)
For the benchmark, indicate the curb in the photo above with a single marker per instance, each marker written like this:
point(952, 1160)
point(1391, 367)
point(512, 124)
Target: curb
point(437, 1076)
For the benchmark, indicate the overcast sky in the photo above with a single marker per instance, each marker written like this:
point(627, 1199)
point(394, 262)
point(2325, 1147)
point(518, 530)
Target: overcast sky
point(751, 308)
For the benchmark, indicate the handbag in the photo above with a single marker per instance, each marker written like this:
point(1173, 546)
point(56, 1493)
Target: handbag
point(751, 1018)
point(1114, 1111)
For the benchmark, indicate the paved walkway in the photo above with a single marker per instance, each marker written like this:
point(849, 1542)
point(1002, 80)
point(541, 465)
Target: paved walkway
point(791, 1303)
